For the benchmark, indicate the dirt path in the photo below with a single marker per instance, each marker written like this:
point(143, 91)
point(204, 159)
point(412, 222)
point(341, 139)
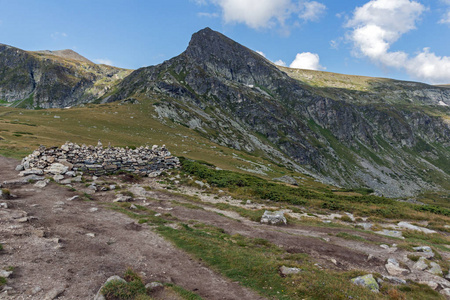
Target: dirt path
point(71, 247)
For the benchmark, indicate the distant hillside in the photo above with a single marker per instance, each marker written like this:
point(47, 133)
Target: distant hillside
point(46, 79)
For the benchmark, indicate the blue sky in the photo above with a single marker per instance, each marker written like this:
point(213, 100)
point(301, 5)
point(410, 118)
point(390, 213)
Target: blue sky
point(402, 39)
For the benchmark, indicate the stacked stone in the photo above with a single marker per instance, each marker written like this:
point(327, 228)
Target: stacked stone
point(101, 160)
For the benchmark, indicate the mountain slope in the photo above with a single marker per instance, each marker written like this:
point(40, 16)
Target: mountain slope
point(391, 136)
point(49, 79)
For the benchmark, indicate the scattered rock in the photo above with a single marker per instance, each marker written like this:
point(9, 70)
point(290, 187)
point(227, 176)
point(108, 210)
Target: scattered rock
point(367, 281)
point(76, 197)
point(154, 286)
point(273, 218)
point(435, 269)
point(392, 233)
point(425, 249)
point(394, 280)
point(5, 274)
point(3, 205)
point(42, 183)
point(122, 198)
point(409, 226)
point(394, 269)
point(288, 271)
point(421, 264)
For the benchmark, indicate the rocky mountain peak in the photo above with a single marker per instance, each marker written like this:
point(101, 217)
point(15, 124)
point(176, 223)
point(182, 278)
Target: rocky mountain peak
point(217, 53)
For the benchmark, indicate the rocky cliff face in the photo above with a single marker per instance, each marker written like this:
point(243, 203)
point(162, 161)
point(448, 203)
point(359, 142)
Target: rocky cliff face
point(49, 79)
point(391, 136)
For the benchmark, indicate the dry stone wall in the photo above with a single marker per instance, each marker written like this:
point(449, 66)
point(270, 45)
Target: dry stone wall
point(98, 160)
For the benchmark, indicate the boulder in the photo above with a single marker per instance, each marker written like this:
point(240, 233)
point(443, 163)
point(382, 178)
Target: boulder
point(394, 269)
point(367, 281)
point(41, 184)
point(445, 292)
point(284, 271)
point(273, 218)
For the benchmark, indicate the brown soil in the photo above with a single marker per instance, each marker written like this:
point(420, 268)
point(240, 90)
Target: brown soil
point(70, 263)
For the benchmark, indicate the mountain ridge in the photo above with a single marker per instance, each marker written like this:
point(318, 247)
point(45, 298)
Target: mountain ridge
point(243, 101)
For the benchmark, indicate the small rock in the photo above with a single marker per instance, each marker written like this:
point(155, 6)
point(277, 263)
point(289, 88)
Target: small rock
point(112, 187)
point(395, 270)
point(22, 220)
point(393, 261)
point(57, 168)
point(157, 215)
point(435, 269)
point(41, 184)
point(333, 261)
point(447, 276)
point(384, 246)
point(31, 172)
point(132, 206)
point(94, 178)
point(394, 280)
point(122, 198)
point(90, 234)
point(425, 249)
point(36, 290)
point(39, 233)
point(3, 205)
point(248, 202)
point(445, 292)
point(421, 264)
point(92, 187)
point(5, 274)
point(19, 168)
point(153, 286)
point(273, 218)
point(76, 197)
point(367, 281)
point(288, 271)
point(70, 173)
point(93, 209)
point(54, 293)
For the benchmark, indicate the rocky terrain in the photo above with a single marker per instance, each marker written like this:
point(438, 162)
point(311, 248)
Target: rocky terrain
point(62, 241)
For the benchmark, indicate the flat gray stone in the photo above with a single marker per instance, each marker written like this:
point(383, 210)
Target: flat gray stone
point(409, 226)
point(421, 264)
point(435, 269)
point(392, 233)
point(395, 270)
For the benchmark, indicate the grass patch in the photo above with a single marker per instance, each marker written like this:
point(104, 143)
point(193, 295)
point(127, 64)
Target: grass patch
point(188, 295)
point(352, 237)
point(130, 289)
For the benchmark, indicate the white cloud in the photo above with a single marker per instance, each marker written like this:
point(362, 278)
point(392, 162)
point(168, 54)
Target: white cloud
point(380, 23)
point(261, 53)
point(311, 10)
point(445, 18)
point(307, 60)
point(57, 34)
point(208, 15)
point(280, 63)
point(103, 61)
point(259, 14)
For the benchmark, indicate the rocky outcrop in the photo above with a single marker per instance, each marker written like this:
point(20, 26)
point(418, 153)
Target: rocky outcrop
point(98, 160)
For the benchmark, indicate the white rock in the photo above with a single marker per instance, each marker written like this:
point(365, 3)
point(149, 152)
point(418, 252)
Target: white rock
point(93, 209)
point(58, 177)
point(57, 168)
point(435, 269)
point(414, 227)
point(5, 274)
point(41, 184)
point(273, 218)
point(288, 271)
point(122, 198)
point(395, 270)
point(76, 197)
point(90, 234)
point(384, 246)
point(445, 292)
point(421, 264)
point(3, 205)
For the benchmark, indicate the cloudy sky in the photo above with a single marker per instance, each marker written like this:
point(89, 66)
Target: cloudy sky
point(402, 39)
